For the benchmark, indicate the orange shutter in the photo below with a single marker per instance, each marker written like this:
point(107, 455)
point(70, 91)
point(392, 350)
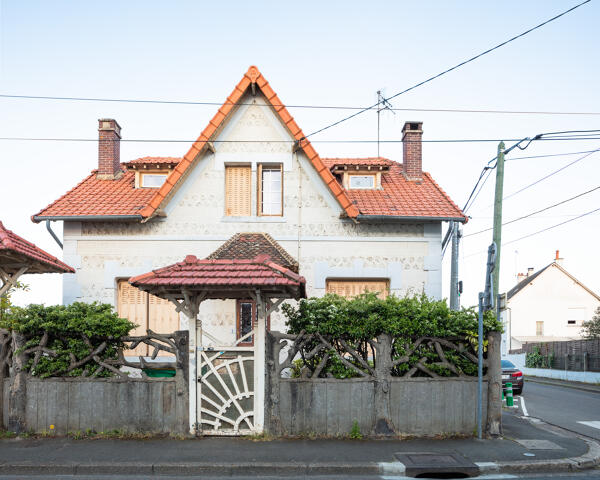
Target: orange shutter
point(163, 318)
point(351, 288)
point(131, 304)
point(238, 186)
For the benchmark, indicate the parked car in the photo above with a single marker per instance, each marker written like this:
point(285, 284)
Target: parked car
point(512, 374)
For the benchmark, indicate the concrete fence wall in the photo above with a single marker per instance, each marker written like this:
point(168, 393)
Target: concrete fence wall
point(419, 406)
point(131, 405)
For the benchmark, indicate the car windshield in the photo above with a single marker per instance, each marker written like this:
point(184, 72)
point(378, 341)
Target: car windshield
point(507, 364)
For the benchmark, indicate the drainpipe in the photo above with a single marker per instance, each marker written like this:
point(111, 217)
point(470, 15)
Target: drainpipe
point(49, 228)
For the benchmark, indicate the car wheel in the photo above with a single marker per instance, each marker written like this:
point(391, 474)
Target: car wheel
point(518, 392)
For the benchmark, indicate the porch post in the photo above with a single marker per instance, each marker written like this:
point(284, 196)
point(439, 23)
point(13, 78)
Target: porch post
point(191, 308)
point(259, 363)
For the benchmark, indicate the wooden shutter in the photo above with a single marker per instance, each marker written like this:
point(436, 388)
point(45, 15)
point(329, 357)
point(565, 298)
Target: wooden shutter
point(148, 312)
point(351, 288)
point(238, 186)
point(132, 304)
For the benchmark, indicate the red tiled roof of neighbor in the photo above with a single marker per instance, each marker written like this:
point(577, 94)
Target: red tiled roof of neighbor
point(95, 197)
point(15, 250)
point(154, 161)
point(192, 272)
point(403, 198)
point(246, 246)
point(367, 161)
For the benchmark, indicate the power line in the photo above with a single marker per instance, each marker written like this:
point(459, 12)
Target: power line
point(551, 174)
point(489, 172)
point(549, 155)
point(322, 107)
point(539, 231)
point(452, 68)
point(536, 212)
point(147, 140)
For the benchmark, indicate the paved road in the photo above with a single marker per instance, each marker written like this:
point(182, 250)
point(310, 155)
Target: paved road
point(564, 406)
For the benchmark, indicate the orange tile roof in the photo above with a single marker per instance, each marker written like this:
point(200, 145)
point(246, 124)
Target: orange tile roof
point(94, 197)
point(400, 197)
point(16, 252)
point(368, 161)
point(154, 161)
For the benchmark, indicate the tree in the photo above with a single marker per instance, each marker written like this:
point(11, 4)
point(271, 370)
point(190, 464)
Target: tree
point(5, 302)
point(591, 328)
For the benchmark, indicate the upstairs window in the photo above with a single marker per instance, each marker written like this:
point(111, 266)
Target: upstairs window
point(238, 189)
point(270, 190)
point(362, 182)
point(153, 180)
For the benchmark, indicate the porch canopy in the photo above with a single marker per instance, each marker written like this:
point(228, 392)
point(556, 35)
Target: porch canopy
point(192, 281)
point(18, 256)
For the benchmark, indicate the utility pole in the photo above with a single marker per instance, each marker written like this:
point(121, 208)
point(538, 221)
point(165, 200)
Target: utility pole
point(497, 238)
point(454, 298)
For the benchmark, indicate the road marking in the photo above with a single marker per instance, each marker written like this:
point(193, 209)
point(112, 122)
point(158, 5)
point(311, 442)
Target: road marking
point(492, 476)
point(591, 423)
point(523, 406)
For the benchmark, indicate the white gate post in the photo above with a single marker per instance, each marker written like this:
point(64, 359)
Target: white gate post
point(259, 363)
point(193, 374)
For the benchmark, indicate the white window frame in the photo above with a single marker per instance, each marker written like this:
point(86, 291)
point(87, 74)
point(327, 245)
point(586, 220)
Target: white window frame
point(144, 175)
point(371, 176)
point(261, 167)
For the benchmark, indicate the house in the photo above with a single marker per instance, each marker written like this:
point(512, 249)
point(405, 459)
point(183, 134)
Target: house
point(251, 183)
point(546, 306)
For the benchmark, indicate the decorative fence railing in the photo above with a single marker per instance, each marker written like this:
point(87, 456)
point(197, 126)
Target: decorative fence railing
point(390, 378)
point(64, 387)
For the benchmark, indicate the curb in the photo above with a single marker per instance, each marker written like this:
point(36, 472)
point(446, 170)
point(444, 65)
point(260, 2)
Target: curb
point(576, 386)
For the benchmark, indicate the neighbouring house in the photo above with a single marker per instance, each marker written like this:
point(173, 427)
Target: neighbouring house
point(546, 306)
point(251, 184)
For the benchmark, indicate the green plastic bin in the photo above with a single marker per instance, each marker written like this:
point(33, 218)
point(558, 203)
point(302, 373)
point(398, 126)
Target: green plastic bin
point(155, 373)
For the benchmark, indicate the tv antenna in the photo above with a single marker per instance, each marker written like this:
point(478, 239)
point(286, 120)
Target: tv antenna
point(382, 104)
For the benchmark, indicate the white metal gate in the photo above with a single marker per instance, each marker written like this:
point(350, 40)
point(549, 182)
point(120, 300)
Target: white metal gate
point(229, 386)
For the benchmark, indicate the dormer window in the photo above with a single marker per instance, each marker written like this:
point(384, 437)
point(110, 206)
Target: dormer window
point(152, 180)
point(362, 182)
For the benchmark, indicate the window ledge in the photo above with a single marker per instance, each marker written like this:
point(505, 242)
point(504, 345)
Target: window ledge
point(254, 219)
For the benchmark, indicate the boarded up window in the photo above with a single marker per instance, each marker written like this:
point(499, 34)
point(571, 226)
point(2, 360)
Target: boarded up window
point(238, 186)
point(147, 311)
point(351, 288)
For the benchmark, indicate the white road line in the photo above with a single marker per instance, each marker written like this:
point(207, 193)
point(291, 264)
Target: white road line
point(523, 406)
point(591, 423)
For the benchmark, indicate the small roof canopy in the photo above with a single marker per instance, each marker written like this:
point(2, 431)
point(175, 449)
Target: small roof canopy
point(222, 279)
point(18, 256)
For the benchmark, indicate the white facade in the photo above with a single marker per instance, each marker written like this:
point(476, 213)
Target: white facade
point(408, 255)
point(551, 307)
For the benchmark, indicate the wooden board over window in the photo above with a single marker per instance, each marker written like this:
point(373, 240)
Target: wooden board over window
point(238, 188)
point(354, 287)
point(147, 311)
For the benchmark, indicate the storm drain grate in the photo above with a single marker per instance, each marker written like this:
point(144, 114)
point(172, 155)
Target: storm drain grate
point(437, 465)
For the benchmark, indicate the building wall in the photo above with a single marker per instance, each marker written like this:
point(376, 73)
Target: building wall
point(550, 298)
point(310, 229)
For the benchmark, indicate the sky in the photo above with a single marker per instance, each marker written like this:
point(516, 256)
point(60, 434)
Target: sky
point(316, 53)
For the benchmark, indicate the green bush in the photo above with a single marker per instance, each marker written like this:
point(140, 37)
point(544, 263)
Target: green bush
point(68, 327)
point(359, 320)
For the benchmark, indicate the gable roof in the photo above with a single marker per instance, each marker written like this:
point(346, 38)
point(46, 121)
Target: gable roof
point(119, 199)
point(221, 277)
point(16, 252)
point(526, 281)
point(246, 246)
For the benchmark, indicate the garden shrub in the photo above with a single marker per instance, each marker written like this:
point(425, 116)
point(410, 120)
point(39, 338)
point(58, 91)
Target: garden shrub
point(68, 327)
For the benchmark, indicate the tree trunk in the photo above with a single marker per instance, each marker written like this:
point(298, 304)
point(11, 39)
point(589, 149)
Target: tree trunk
point(383, 375)
point(17, 400)
point(494, 377)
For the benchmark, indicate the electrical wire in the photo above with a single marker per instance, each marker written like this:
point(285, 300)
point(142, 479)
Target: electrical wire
point(451, 68)
point(551, 174)
point(489, 172)
point(539, 231)
point(323, 107)
point(548, 155)
point(536, 212)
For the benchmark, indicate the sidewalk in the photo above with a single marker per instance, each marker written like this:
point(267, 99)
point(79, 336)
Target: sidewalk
point(587, 387)
point(237, 456)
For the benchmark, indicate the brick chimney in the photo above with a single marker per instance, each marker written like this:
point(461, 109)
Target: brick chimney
point(412, 132)
point(109, 149)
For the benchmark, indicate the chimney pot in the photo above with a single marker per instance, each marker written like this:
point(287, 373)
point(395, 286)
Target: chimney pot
point(412, 134)
point(109, 149)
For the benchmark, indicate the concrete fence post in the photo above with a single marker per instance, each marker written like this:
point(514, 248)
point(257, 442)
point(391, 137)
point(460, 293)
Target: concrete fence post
point(272, 380)
point(494, 378)
point(17, 400)
point(383, 377)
